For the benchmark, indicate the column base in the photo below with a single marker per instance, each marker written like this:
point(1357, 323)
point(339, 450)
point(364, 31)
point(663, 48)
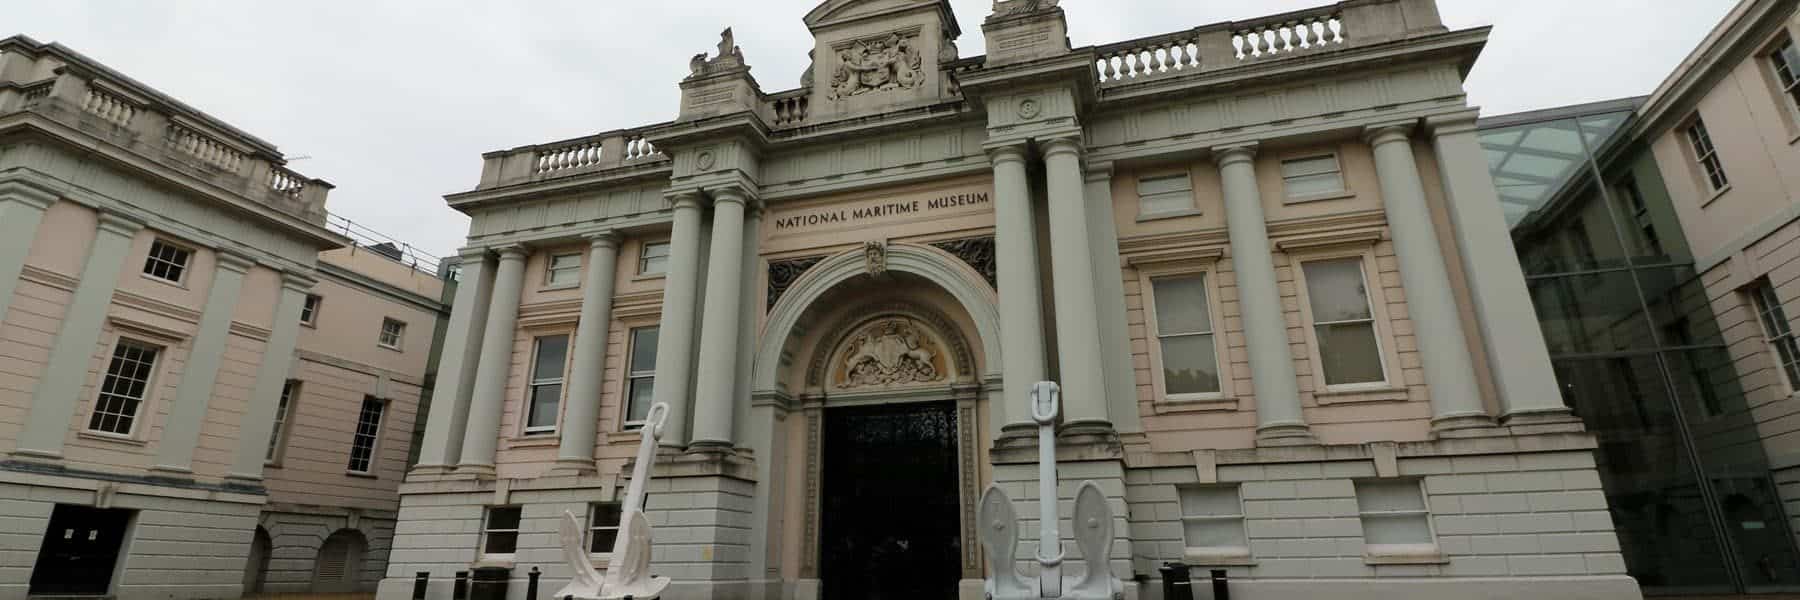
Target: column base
point(572, 466)
point(1548, 420)
point(37, 456)
point(709, 447)
point(1087, 428)
point(1285, 434)
point(425, 469)
point(1467, 425)
point(478, 471)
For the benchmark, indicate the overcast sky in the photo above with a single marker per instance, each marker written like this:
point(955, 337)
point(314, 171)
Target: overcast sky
point(394, 102)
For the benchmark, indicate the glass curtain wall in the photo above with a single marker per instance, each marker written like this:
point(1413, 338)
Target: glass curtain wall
point(1639, 353)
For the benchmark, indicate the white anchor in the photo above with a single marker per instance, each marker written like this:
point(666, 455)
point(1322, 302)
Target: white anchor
point(628, 576)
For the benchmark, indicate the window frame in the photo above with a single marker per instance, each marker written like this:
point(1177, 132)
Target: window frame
point(1213, 555)
point(317, 303)
point(150, 382)
point(487, 531)
point(1337, 160)
point(1693, 132)
point(532, 383)
point(643, 259)
point(399, 334)
point(1429, 553)
point(573, 271)
point(1392, 385)
point(1788, 92)
point(374, 455)
point(587, 537)
point(1192, 207)
point(151, 259)
point(631, 377)
point(1761, 293)
point(1209, 271)
point(285, 409)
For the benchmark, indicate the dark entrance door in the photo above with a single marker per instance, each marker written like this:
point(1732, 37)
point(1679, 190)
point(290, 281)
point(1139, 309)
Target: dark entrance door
point(81, 545)
point(890, 525)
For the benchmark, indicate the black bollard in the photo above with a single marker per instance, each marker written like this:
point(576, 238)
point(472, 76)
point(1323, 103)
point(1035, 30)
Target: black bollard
point(1220, 590)
point(531, 584)
point(461, 589)
point(420, 582)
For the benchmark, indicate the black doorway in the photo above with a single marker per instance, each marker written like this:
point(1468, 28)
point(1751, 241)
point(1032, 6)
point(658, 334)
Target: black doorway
point(890, 523)
point(81, 545)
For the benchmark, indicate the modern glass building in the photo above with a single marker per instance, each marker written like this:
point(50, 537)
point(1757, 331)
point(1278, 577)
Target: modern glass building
point(1639, 352)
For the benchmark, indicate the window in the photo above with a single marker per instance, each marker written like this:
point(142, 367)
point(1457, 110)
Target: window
point(1394, 518)
point(1184, 334)
point(640, 382)
point(368, 431)
point(500, 531)
point(1644, 229)
point(392, 333)
point(1786, 60)
point(1312, 176)
point(122, 392)
point(1165, 193)
point(655, 259)
point(565, 269)
point(546, 383)
point(309, 311)
point(283, 409)
point(1212, 522)
point(603, 526)
point(167, 261)
point(1343, 322)
point(1776, 330)
point(1707, 156)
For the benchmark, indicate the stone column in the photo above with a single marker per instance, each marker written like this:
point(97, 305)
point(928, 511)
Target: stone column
point(181, 431)
point(1443, 348)
point(675, 338)
point(581, 418)
point(21, 211)
point(1022, 322)
point(59, 388)
point(441, 447)
point(1517, 355)
point(1279, 421)
point(258, 422)
point(1078, 339)
point(716, 376)
point(482, 436)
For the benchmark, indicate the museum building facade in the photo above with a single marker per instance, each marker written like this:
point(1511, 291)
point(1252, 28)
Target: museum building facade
point(1264, 260)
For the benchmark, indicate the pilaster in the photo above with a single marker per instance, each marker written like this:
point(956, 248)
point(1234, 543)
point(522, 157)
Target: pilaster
point(1109, 290)
point(181, 431)
point(22, 209)
point(581, 415)
point(258, 421)
point(441, 447)
point(482, 436)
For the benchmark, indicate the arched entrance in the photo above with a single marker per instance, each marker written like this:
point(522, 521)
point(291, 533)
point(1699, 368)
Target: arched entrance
point(257, 567)
point(339, 566)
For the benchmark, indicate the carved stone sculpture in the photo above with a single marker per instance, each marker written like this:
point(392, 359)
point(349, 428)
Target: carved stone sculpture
point(875, 257)
point(879, 64)
point(730, 57)
point(1009, 8)
point(628, 576)
point(892, 352)
point(1093, 522)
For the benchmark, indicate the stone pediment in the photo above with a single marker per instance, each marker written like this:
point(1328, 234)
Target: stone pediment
point(839, 12)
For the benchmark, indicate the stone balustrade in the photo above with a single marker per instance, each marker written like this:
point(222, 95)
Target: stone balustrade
point(569, 157)
point(1148, 57)
point(789, 108)
point(1301, 33)
point(203, 147)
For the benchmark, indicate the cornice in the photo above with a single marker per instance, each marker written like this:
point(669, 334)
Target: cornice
point(156, 307)
point(351, 365)
point(49, 278)
point(1726, 44)
point(358, 280)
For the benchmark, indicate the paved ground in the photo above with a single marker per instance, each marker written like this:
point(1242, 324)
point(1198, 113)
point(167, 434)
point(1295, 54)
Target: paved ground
point(310, 596)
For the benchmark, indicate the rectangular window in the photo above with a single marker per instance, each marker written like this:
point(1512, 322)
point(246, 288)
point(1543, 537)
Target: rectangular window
point(655, 259)
point(283, 410)
point(1165, 193)
point(640, 382)
point(547, 383)
point(309, 311)
point(1786, 60)
point(1706, 155)
point(1212, 521)
point(1312, 176)
point(1184, 333)
point(1644, 229)
point(392, 333)
point(1343, 322)
point(565, 269)
point(1394, 518)
point(603, 526)
point(500, 530)
point(368, 432)
point(1776, 330)
point(167, 261)
point(123, 391)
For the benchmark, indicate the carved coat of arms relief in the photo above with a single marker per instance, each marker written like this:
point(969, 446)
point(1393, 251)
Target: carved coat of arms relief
point(888, 352)
point(879, 64)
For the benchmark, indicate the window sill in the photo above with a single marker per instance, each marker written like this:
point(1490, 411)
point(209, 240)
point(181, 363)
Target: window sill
point(1217, 557)
point(1715, 196)
point(312, 325)
point(359, 475)
point(387, 347)
point(559, 287)
point(180, 285)
point(1419, 554)
point(534, 440)
point(1169, 214)
point(504, 561)
point(1384, 393)
point(1318, 197)
point(650, 276)
point(111, 438)
point(1200, 404)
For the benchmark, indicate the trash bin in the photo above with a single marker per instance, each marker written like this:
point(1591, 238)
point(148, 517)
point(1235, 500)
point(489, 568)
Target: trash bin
point(1176, 585)
point(489, 583)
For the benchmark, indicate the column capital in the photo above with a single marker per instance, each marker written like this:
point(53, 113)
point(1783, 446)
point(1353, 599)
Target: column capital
point(602, 239)
point(512, 252)
point(474, 253)
point(684, 199)
point(233, 260)
point(1068, 144)
point(299, 281)
point(1387, 133)
point(26, 193)
point(1099, 171)
point(1454, 123)
point(1005, 152)
point(732, 194)
point(1233, 153)
point(119, 223)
